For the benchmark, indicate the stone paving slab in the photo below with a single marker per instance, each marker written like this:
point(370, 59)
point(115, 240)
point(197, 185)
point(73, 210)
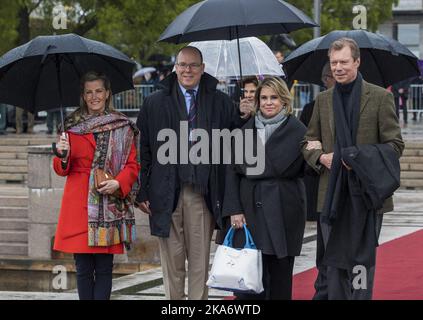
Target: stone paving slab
point(148, 285)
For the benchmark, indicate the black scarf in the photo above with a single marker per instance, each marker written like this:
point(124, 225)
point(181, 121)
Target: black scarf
point(196, 175)
point(346, 122)
point(352, 240)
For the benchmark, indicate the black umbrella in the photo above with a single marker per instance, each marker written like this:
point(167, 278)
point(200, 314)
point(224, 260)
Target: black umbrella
point(45, 73)
point(384, 61)
point(234, 19)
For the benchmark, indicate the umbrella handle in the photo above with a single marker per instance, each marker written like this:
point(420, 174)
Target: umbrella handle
point(56, 152)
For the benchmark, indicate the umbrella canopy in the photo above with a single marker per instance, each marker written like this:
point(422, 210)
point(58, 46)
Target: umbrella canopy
point(384, 61)
point(235, 19)
point(143, 71)
point(221, 57)
point(232, 19)
point(45, 73)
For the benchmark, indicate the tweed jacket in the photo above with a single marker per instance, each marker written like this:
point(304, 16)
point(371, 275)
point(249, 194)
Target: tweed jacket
point(378, 123)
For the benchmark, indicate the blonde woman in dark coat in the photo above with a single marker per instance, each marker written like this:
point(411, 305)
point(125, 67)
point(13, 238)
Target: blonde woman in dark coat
point(271, 204)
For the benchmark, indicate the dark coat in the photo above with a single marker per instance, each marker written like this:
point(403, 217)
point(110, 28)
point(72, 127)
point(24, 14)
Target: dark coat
point(374, 177)
point(377, 169)
point(405, 85)
point(306, 113)
point(311, 178)
point(159, 183)
point(274, 202)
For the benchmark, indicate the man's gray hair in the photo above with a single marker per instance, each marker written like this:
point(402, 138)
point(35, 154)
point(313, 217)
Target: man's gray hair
point(343, 42)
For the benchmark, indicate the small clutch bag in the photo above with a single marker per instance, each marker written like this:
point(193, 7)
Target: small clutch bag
point(100, 176)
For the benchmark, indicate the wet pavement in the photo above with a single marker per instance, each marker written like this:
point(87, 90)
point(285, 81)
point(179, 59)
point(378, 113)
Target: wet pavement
point(148, 285)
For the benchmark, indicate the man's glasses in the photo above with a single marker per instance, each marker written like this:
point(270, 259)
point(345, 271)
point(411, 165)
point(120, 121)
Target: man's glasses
point(192, 66)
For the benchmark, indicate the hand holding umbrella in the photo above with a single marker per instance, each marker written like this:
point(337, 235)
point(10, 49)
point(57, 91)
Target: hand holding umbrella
point(63, 146)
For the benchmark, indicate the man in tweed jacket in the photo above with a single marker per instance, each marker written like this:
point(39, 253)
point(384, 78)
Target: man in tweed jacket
point(377, 124)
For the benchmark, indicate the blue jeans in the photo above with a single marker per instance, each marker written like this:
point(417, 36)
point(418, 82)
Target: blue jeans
point(94, 275)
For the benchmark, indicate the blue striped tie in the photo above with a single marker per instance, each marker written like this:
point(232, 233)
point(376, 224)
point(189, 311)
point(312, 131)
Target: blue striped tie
point(192, 113)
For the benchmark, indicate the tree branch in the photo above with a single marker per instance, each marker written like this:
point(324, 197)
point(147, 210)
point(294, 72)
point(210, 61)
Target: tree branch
point(34, 7)
point(82, 29)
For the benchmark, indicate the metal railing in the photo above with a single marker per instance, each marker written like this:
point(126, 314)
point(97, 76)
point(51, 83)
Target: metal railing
point(415, 100)
point(131, 101)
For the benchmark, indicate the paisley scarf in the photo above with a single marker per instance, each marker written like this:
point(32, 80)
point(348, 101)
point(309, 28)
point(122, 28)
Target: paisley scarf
point(111, 219)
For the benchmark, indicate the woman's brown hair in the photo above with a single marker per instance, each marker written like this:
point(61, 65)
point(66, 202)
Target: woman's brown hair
point(94, 76)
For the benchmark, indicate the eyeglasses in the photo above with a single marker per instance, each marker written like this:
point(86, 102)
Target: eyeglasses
point(192, 66)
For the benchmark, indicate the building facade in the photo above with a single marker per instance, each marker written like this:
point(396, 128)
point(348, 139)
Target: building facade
point(406, 26)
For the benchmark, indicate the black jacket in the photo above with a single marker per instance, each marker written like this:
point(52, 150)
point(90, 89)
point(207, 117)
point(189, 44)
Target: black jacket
point(273, 202)
point(405, 85)
point(159, 182)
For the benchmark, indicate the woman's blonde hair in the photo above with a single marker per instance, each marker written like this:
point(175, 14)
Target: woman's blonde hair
point(281, 89)
point(94, 76)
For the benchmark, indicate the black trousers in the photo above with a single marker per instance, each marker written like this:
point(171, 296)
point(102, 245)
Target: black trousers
point(94, 275)
point(404, 108)
point(337, 284)
point(277, 280)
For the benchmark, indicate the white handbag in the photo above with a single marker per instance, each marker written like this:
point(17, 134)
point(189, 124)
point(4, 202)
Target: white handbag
point(238, 270)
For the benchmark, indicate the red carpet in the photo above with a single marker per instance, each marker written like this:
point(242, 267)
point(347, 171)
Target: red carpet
point(399, 271)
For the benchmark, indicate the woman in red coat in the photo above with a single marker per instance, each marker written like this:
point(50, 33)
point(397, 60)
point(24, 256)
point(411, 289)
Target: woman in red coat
point(96, 223)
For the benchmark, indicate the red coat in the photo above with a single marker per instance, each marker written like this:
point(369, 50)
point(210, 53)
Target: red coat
point(72, 228)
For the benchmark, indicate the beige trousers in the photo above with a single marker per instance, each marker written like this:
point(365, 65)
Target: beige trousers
point(189, 239)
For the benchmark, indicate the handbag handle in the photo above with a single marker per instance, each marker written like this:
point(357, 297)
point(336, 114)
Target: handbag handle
point(249, 243)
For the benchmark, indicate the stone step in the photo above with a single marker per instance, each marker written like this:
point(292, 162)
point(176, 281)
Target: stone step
point(13, 162)
point(16, 177)
point(14, 201)
point(412, 183)
point(412, 153)
point(13, 236)
point(13, 212)
point(412, 175)
point(13, 142)
point(411, 160)
point(41, 142)
point(13, 169)
point(13, 189)
point(411, 167)
point(14, 224)
point(16, 149)
point(413, 145)
point(13, 155)
point(13, 249)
